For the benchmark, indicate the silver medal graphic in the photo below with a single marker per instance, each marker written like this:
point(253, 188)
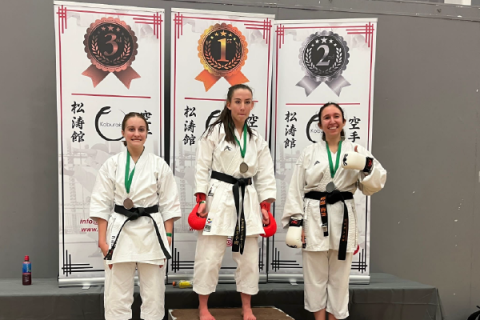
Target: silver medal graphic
point(324, 56)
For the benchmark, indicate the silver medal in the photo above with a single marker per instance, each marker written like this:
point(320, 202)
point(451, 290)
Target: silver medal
point(243, 167)
point(128, 203)
point(331, 187)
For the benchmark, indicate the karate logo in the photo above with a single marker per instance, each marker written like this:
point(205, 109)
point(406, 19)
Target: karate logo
point(112, 125)
point(111, 46)
point(222, 50)
point(312, 127)
point(324, 56)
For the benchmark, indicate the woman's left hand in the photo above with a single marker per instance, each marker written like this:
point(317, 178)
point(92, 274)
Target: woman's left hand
point(265, 218)
point(169, 244)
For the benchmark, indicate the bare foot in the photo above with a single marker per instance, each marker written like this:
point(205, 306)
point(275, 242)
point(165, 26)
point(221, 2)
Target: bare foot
point(248, 314)
point(204, 314)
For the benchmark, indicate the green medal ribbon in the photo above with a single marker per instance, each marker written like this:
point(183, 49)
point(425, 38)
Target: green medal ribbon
point(244, 150)
point(128, 178)
point(332, 169)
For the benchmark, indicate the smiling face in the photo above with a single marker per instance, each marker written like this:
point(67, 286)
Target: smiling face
point(331, 121)
point(135, 132)
point(240, 105)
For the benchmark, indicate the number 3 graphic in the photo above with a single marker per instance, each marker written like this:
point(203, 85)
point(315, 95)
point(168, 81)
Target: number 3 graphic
point(113, 43)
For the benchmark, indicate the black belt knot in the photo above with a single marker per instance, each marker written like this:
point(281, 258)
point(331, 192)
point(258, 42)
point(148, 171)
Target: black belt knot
point(229, 179)
point(331, 198)
point(239, 185)
point(133, 214)
point(336, 196)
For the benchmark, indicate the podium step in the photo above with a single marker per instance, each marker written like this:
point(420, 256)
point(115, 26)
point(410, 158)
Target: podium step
point(266, 313)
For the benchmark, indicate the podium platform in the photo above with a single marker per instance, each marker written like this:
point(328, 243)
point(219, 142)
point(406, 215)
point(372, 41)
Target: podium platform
point(267, 313)
point(386, 297)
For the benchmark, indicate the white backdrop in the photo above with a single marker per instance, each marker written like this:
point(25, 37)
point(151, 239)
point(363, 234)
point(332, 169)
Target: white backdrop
point(211, 51)
point(109, 63)
point(318, 61)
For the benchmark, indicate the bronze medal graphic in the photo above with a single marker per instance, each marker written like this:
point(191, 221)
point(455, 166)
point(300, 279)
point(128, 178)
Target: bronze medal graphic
point(222, 50)
point(111, 46)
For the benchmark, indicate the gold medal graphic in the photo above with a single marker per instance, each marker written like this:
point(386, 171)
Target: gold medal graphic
point(222, 50)
point(111, 46)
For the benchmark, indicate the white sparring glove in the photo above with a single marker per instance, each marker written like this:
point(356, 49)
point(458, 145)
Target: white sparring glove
point(357, 161)
point(293, 239)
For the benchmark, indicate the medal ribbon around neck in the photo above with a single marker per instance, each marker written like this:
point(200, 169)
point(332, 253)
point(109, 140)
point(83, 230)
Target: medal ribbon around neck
point(128, 178)
point(333, 170)
point(243, 166)
point(244, 150)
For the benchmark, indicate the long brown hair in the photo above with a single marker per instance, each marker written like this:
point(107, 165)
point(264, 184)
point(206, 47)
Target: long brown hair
point(225, 116)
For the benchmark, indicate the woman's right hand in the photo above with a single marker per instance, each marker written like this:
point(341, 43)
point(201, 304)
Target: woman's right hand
point(303, 236)
point(104, 247)
point(202, 210)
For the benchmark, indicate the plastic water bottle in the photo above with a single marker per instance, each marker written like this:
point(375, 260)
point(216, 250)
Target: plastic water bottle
point(182, 284)
point(27, 272)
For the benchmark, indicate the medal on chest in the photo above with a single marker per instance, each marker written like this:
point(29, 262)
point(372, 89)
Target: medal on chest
point(333, 169)
point(128, 203)
point(243, 166)
point(331, 187)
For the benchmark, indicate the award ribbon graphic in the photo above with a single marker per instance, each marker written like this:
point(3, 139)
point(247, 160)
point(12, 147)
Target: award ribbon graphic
point(324, 56)
point(222, 50)
point(111, 46)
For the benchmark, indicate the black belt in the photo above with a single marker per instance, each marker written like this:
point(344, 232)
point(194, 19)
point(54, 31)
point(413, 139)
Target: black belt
point(331, 198)
point(238, 185)
point(134, 214)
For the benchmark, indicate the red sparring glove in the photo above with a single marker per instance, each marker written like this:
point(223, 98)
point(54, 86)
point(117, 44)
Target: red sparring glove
point(194, 220)
point(271, 227)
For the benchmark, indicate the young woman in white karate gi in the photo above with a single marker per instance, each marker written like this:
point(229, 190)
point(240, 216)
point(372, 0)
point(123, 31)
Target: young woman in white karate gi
point(235, 185)
point(135, 202)
point(321, 197)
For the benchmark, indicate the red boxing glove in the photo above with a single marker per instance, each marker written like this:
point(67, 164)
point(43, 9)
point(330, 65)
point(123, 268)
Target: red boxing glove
point(270, 229)
point(194, 220)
